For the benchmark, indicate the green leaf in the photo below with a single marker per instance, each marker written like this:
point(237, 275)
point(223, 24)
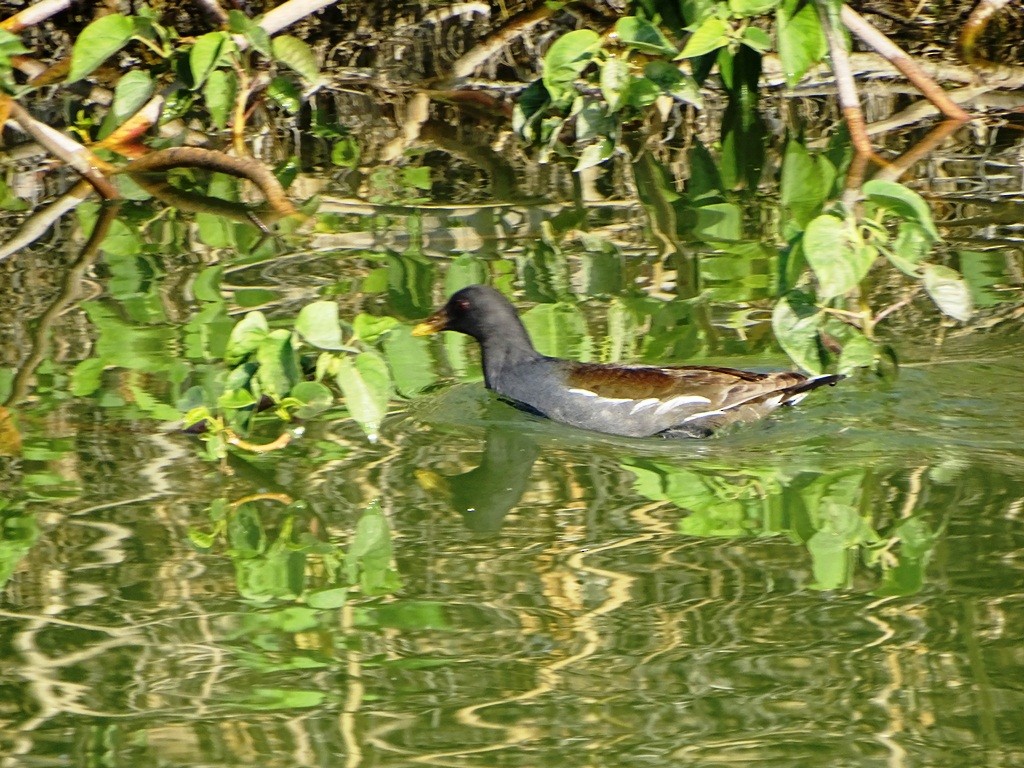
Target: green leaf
point(752, 7)
point(327, 599)
point(207, 54)
point(949, 291)
point(314, 396)
point(858, 352)
point(634, 32)
point(912, 245)
point(132, 91)
point(233, 399)
point(240, 24)
point(284, 91)
point(709, 36)
point(366, 384)
point(595, 154)
point(757, 39)
point(566, 59)
point(97, 43)
point(615, 79)
point(410, 359)
point(319, 325)
point(417, 177)
point(801, 40)
point(345, 153)
point(903, 202)
point(245, 337)
point(839, 263)
point(795, 322)
point(279, 368)
point(219, 93)
point(643, 92)
point(806, 182)
point(369, 328)
point(295, 54)
point(676, 84)
point(87, 376)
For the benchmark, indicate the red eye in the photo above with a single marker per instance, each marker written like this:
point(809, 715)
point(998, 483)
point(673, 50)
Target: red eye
point(463, 304)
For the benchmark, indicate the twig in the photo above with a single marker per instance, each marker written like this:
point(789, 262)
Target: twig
point(871, 36)
point(42, 338)
point(196, 157)
point(37, 225)
point(283, 439)
point(848, 100)
point(67, 149)
point(486, 48)
point(33, 15)
point(976, 23)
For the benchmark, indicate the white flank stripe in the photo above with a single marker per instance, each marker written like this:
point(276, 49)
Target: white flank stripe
point(702, 415)
point(588, 393)
point(679, 400)
point(641, 405)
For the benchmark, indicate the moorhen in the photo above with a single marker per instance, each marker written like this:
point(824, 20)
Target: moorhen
point(614, 398)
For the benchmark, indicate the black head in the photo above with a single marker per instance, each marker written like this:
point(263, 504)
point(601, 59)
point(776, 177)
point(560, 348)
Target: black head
point(477, 311)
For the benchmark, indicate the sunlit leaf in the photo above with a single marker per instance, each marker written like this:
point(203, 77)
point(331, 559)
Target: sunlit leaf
point(752, 7)
point(795, 322)
point(801, 40)
point(615, 79)
point(709, 36)
point(131, 92)
point(207, 53)
point(279, 369)
point(638, 33)
point(567, 58)
point(858, 352)
point(97, 43)
point(240, 24)
point(594, 154)
point(369, 328)
point(912, 245)
point(837, 260)
point(410, 360)
point(245, 337)
point(297, 55)
point(902, 201)
point(757, 38)
point(327, 599)
point(949, 291)
point(319, 325)
point(219, 94)
point(314, 396)
point(233, 399)
point(366, 384)
point(806, 182)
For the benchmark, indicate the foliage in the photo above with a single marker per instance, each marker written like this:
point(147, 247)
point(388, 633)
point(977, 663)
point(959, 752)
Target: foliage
point(211, 77)
point(593, 86)
point(831, 513)
point(274, 562)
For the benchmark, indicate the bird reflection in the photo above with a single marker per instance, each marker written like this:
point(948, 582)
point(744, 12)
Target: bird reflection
point(483, 496)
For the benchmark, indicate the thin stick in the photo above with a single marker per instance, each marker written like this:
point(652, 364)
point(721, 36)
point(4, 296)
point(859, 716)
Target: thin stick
point(67, 149)
point(848, 101)
point(871, 36)
point(34, 14)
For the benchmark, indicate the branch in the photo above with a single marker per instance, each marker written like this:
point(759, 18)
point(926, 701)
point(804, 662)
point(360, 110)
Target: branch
point(65, 148)
point(33, 15)
point(872, 37)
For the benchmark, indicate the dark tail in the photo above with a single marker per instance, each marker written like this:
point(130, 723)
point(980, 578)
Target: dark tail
point(804, 387)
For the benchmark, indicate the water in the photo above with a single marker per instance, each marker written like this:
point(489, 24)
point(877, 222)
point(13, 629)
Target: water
point(840, 585)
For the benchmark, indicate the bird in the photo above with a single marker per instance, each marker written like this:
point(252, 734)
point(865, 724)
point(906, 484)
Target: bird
point(628, 400)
